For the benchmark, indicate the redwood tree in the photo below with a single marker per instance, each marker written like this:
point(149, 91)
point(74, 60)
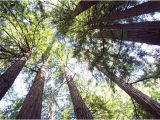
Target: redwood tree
point(143, 100)
point(143, 32)
point(18, 39)
point(144, 8)
point(31, 108)
point(9, 76)
point(32, 105)
point(139, 25)
point(82, 6)
point(80, 108)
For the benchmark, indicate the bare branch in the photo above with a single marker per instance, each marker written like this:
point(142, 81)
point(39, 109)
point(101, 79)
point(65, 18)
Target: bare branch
point(31, 69)
point(143, 79)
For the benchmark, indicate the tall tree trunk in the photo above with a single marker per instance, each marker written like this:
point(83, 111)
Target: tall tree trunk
point(145, 101)
point(80, 108)
point(31, 108)
point(140, 25)
point(32, 105)
point(144, 36)
point(9, 76)
point(82, 6)
point(149, 36)
point(144, 8)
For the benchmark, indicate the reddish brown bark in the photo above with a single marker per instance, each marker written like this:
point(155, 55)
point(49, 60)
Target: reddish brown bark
point(149, 36)
point(80, 108)
point(145, 101)
point(82, 6)
point(144, 36)
point(140, 25)
point(31, 108)
point(9, 76)
point(144, 8)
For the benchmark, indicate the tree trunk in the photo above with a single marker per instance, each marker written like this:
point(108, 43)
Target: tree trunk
point(9, 76)
point(145, 101)
point(144, 36)
point(140, 25)
point(82, 6)
point(80, 108)
point(31, 108)
point(50, 115)
point(32, 105)
point(149, 36)
point(144, 8)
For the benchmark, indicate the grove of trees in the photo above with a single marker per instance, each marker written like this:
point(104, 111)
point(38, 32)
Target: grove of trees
point(79, 59)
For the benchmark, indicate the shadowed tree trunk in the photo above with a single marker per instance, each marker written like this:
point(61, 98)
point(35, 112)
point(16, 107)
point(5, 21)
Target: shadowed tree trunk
point(31, 108)
point(140, 25)
point(82, 6)
point(80, 108)
point(9, 76)
point(144, 101)
point(149, 36)
point(144, 36)
point(144, 8)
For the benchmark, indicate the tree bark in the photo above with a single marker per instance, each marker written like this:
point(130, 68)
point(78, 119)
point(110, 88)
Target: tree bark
point(144, 36)
point(31, 108)
point(140, 25)
point(144, 8)
point(80, 108)
point(148, 36)
point(82, 6)
point(9, 76)
point(145, 101)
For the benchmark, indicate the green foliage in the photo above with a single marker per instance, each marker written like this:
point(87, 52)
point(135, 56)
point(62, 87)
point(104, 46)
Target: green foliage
point(60, 36)
point(105, 104)
point(66, 114)
point(22, 28)
point(12, 110)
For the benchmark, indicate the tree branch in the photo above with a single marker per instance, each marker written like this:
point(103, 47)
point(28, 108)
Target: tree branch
point(31, 69)
point(24, 36)
point(135, 109)
point(12, 37)
point(143, 79)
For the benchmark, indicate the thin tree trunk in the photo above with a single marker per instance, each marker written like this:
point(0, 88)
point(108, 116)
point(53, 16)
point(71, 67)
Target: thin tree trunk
point(50, 114)
point(80, 108)
point(145, 101)
point(144, 8)
point(82, 6)
point(31, 108)
point(9, 76)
